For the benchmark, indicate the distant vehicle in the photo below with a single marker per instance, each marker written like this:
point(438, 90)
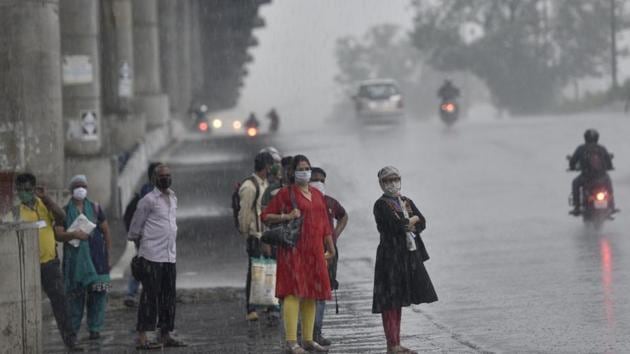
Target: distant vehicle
point(379, 98)
point(216, 123)
point(200, 116)
point(252, 125)
point(449, 112)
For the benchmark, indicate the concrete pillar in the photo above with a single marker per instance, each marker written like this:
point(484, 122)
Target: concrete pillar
point(148, 87)
point(196, 62)
point(20, 289)
point(174, 22)
point(82, 104)
point(184, 26)
point(123, 128)
point(169, 58)
point(80, 39)
point(31, 124)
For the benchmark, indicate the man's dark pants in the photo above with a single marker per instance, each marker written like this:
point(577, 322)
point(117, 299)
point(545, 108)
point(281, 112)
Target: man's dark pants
point(157, 300)
point(52, 284)
point(253, 250)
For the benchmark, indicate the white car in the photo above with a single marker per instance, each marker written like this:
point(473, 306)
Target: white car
point(379, 99)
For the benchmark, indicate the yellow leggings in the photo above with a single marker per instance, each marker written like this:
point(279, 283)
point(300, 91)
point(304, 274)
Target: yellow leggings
point(292, 306)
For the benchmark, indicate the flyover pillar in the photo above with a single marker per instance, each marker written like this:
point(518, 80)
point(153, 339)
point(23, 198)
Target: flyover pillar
point(174, 31)
point(124, 128)
point(31, 123)
point(82, 104)
point(150, 100)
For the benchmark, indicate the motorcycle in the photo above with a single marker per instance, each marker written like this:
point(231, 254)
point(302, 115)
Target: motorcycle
point(596, 200)
point(252, 126)
point(200, 115)
point(449, 112)
point(251, 131)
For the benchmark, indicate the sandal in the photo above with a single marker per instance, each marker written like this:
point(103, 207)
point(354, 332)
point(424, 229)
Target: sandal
point(148, 346)
point(313, 346)
point(173, 343)
point(294, 348)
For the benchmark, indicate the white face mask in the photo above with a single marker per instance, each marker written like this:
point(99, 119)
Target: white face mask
point(320, 186)
point(79, 193)
point(392, 188)
point(302, 177)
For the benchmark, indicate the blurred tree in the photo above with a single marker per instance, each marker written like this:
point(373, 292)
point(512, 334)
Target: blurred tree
point(526, 51)
point(381, 53)
point(386, 52)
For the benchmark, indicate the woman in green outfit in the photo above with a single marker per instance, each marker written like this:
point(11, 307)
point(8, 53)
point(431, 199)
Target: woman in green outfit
point(86, 263)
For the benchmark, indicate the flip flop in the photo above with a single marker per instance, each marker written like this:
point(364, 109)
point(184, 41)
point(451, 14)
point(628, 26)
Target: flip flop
point(173, 343)
point(148, 346)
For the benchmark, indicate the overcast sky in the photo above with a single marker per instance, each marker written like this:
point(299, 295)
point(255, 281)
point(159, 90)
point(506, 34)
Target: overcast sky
point(294, 65)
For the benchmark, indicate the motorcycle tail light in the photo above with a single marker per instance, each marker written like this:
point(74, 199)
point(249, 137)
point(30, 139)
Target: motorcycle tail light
point(252, 131)
point(203, 126)
point(448, 107)
point(600, 196)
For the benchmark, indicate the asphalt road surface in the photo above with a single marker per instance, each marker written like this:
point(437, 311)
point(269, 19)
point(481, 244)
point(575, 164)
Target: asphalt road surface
point(513, 271)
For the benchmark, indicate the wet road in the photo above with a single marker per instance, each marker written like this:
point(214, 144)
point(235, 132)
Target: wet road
point(513, 271)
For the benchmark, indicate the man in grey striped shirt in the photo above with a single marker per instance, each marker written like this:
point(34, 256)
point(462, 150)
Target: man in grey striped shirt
point(154, 225)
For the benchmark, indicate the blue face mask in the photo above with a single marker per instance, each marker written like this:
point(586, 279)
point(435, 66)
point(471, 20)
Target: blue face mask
point(302, 177)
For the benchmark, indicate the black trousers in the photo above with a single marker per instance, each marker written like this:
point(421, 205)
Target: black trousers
point(157, 300)
point(253, 250)
point(52, 284)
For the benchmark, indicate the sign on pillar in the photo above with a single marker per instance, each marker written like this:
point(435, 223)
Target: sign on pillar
point(77, 70)
point(125, 80)
point(89, 125)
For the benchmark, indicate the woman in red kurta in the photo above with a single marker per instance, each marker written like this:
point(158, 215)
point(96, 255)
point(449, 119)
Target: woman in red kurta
point(302, 272)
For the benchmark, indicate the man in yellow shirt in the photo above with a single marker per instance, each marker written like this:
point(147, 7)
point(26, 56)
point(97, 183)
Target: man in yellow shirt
point(36, 206)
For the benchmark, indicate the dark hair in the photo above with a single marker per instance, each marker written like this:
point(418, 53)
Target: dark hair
point(297, 159)
point(262, 161)
point(319, 170)
point(286, 161)
point(151, 169)
point(24, 178)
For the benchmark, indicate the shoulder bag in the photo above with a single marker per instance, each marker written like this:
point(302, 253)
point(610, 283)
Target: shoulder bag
point(287, 233)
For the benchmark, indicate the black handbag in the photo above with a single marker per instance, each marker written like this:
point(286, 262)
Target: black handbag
point(136, 268)
point(287, 233)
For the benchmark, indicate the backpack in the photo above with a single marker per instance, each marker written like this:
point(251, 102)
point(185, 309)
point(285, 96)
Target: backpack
point(236, 198)
point(594, 161)
point(130, 209)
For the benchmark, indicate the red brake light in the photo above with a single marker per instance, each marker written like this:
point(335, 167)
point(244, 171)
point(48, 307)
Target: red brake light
point(448, 107)
point(203, 126)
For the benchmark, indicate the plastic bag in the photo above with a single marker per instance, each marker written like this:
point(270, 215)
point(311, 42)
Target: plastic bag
point(263, 286)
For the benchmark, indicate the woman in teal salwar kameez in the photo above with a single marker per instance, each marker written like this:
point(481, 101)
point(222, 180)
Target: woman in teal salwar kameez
point(86, 267)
